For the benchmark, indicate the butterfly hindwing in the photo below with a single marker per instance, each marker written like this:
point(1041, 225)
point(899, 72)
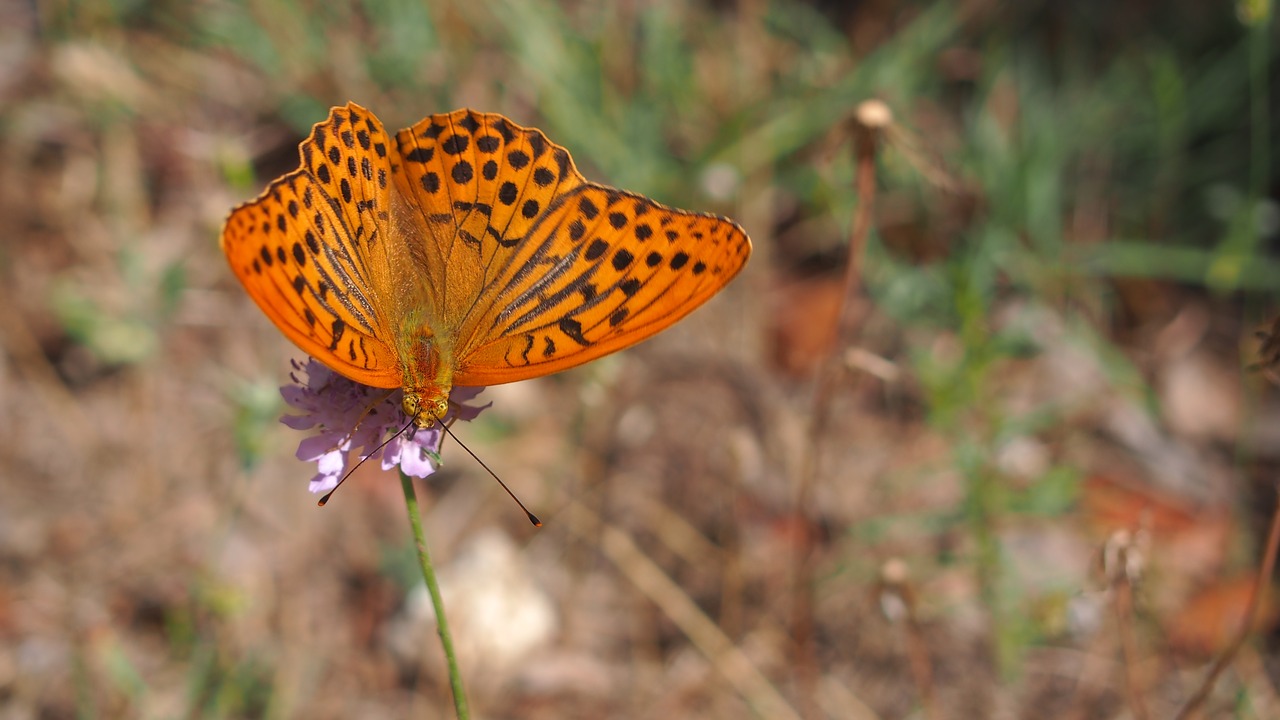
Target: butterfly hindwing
point(303, 248)
point(602, 269)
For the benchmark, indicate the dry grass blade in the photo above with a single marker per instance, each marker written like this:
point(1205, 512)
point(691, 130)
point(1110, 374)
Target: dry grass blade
point(728, 659)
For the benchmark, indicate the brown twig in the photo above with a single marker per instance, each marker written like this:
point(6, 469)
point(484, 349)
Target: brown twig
point(870, 119)
point(1246, 626)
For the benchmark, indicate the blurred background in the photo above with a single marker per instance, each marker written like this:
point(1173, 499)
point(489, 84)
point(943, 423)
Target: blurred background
point(1034, 479)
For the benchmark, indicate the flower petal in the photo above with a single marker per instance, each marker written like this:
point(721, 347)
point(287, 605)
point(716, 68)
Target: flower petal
point(349, 420)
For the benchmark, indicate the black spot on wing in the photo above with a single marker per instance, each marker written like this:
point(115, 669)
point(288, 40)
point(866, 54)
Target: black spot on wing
point(573, 329)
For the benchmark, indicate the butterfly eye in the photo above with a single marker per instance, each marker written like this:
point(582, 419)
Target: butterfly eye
point(439, 408)
point(411, 404)
point(424, 411)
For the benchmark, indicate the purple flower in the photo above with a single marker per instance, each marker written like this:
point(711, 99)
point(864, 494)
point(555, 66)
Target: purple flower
point(348, 418)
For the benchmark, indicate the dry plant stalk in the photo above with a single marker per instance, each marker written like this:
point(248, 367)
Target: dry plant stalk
point(1265, 570)
point(870, 120)
point(726, 657)
point(1270, 358)
point(1123, 563)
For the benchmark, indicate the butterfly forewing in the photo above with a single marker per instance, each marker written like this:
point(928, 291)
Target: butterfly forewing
point(478, 182)
point(305, 249)
point(601, 269)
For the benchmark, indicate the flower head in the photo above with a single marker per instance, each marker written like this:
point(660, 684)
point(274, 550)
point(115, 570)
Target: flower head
point(349, 418)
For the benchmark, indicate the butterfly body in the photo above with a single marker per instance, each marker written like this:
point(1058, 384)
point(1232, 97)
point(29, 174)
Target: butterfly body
point(465, 250)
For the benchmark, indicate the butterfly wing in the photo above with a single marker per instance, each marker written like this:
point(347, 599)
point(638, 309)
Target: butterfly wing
point(479, 181)
point(599, 270)
point(309, 250)
point(529, 268)
point(475, 232)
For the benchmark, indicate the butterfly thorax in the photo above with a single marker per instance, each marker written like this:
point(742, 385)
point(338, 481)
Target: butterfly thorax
point(428, 376)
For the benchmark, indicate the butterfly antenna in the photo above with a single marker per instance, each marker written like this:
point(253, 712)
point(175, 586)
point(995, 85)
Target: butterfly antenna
point(532, 518)
point(398, 433)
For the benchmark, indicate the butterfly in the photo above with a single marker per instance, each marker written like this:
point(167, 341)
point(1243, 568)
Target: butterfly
point(465, 250)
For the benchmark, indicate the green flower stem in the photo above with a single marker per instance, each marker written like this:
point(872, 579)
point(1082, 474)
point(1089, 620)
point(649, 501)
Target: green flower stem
point(433, 588)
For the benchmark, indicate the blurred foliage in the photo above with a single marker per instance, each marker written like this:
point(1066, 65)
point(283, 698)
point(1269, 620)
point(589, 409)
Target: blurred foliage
point(1092, 142)
point(125, 331)
point(257, 407)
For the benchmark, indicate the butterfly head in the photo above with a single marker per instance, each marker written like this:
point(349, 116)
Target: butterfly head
point(425, 405)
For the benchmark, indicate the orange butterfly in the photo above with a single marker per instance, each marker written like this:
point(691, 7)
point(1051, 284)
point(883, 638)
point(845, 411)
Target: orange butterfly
point(467, 250)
